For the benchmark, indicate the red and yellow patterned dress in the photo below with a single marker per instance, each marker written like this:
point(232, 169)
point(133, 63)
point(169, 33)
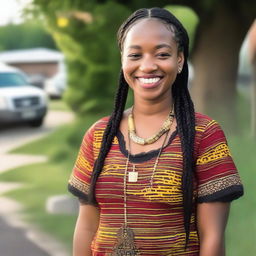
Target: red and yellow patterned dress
point(155, 213)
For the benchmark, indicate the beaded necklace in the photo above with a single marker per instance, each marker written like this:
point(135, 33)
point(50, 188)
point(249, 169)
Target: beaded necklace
point(138, 140)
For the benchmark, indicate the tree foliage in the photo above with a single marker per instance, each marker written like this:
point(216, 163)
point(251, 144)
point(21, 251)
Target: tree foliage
point(27, 35)
point(86, 33)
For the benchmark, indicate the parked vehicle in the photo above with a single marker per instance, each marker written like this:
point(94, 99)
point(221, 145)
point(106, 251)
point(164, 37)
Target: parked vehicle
point(56, 85)
point(19, 101)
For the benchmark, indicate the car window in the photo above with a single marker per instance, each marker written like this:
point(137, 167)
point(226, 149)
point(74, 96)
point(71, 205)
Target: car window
point(12, 79)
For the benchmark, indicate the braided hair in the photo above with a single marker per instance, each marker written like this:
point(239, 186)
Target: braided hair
point(183, 107)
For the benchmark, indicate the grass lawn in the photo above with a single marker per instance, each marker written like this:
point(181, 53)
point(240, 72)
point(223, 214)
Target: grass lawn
point(44, 180)
point(58, 104)
point(242, 222)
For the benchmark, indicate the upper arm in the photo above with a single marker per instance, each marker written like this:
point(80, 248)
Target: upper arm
point(86, 227)
point(88, 217)
point(212, 219)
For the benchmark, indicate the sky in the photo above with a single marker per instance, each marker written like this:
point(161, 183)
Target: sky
point(10, 11)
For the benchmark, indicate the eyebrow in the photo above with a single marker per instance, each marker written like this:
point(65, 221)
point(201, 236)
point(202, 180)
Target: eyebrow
point(163, 46)
point(159, 46)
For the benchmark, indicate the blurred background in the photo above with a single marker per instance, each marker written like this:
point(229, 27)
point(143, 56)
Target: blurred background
point(59, 67)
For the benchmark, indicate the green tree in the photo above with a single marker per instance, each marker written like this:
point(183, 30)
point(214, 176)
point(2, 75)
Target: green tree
point(29, 34)
point(86, 33)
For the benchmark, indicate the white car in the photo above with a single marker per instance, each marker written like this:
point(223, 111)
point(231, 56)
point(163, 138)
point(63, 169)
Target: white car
point(56, 85)
point(19, 101)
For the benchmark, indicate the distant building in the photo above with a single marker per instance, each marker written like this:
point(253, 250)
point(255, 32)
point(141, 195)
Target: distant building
point(38, 63)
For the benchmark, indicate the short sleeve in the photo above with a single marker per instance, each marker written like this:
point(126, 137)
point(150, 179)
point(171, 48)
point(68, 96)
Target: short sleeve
point(80, 178)
point(216, 173)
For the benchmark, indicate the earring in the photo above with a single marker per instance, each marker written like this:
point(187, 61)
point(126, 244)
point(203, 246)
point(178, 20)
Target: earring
point(179, 69)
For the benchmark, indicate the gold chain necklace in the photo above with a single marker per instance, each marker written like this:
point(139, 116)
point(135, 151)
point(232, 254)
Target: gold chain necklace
point(138, 140)
point(125, 236)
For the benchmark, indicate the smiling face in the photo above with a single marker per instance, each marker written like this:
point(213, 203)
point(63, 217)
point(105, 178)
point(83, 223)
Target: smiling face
point(150, 59)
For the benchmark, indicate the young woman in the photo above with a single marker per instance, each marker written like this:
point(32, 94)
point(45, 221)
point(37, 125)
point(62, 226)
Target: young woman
point(158, 178)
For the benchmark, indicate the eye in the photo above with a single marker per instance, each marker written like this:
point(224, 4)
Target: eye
point(163, 55)
point(134, 56)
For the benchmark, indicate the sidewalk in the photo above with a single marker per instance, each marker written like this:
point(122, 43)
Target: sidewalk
point(11, 245)
point(18, 238)
point(14, 240)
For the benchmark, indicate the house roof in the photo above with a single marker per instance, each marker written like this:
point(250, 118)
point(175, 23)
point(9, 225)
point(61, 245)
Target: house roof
point(35, 55)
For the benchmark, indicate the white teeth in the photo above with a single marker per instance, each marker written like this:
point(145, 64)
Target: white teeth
point(149, 80)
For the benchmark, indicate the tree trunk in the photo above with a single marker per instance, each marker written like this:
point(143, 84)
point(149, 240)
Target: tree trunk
point(215, 61)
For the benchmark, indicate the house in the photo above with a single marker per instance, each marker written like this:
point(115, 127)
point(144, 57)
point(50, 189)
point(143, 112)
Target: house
point(38, 63)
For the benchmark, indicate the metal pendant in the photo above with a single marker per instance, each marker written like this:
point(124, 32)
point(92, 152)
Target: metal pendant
point(125, 243)
point(132, 176)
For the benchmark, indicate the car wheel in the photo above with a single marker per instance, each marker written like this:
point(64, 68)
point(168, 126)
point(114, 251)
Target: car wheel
point(36, 122)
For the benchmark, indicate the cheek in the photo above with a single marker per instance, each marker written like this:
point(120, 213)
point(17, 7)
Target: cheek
point(170, 68)
point(128, 70)
point(128, 78)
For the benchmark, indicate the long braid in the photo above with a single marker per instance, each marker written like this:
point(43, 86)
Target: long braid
point(184, 110)
point(109, 133)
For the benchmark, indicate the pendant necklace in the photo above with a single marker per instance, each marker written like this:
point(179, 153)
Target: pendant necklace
point(125, 245)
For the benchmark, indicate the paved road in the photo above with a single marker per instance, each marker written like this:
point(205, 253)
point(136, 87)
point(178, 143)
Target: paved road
point(13, 242)
point(16, 237)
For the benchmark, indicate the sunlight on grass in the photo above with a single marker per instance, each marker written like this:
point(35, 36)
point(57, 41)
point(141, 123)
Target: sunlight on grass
point(58, 104)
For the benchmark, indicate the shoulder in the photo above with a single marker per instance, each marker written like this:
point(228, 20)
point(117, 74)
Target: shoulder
point(208, 132)
point(99, 125)
point(95, 131)
point(205, 123)
point(203, 120)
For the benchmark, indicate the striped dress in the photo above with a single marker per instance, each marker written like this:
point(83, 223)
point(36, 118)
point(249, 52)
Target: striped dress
point(155, 213)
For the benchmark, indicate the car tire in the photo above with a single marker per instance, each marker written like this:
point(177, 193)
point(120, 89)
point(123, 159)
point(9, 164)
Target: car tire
point(36, 122)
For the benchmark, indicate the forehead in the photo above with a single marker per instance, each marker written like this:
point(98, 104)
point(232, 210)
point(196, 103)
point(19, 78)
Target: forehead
point(150, 31)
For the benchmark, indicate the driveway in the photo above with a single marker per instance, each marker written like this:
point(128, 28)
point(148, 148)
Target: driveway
point(18, 238)
point(12, 137)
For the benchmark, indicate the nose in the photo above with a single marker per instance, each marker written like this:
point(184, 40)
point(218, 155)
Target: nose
point(147, 64)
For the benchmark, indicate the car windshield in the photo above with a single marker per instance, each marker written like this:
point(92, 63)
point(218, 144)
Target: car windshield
point(12, 79)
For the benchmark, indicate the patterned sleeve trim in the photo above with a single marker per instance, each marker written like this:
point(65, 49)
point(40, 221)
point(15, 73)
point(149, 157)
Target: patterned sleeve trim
point(78, 193)
point(79, 190)
point(224, 189)
point(78, 185)
point(226, 195)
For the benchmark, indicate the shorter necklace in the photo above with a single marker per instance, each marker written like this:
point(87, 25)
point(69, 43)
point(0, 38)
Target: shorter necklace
point(138, 140)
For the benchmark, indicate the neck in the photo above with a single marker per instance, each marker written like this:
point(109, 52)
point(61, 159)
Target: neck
point(147, 108)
